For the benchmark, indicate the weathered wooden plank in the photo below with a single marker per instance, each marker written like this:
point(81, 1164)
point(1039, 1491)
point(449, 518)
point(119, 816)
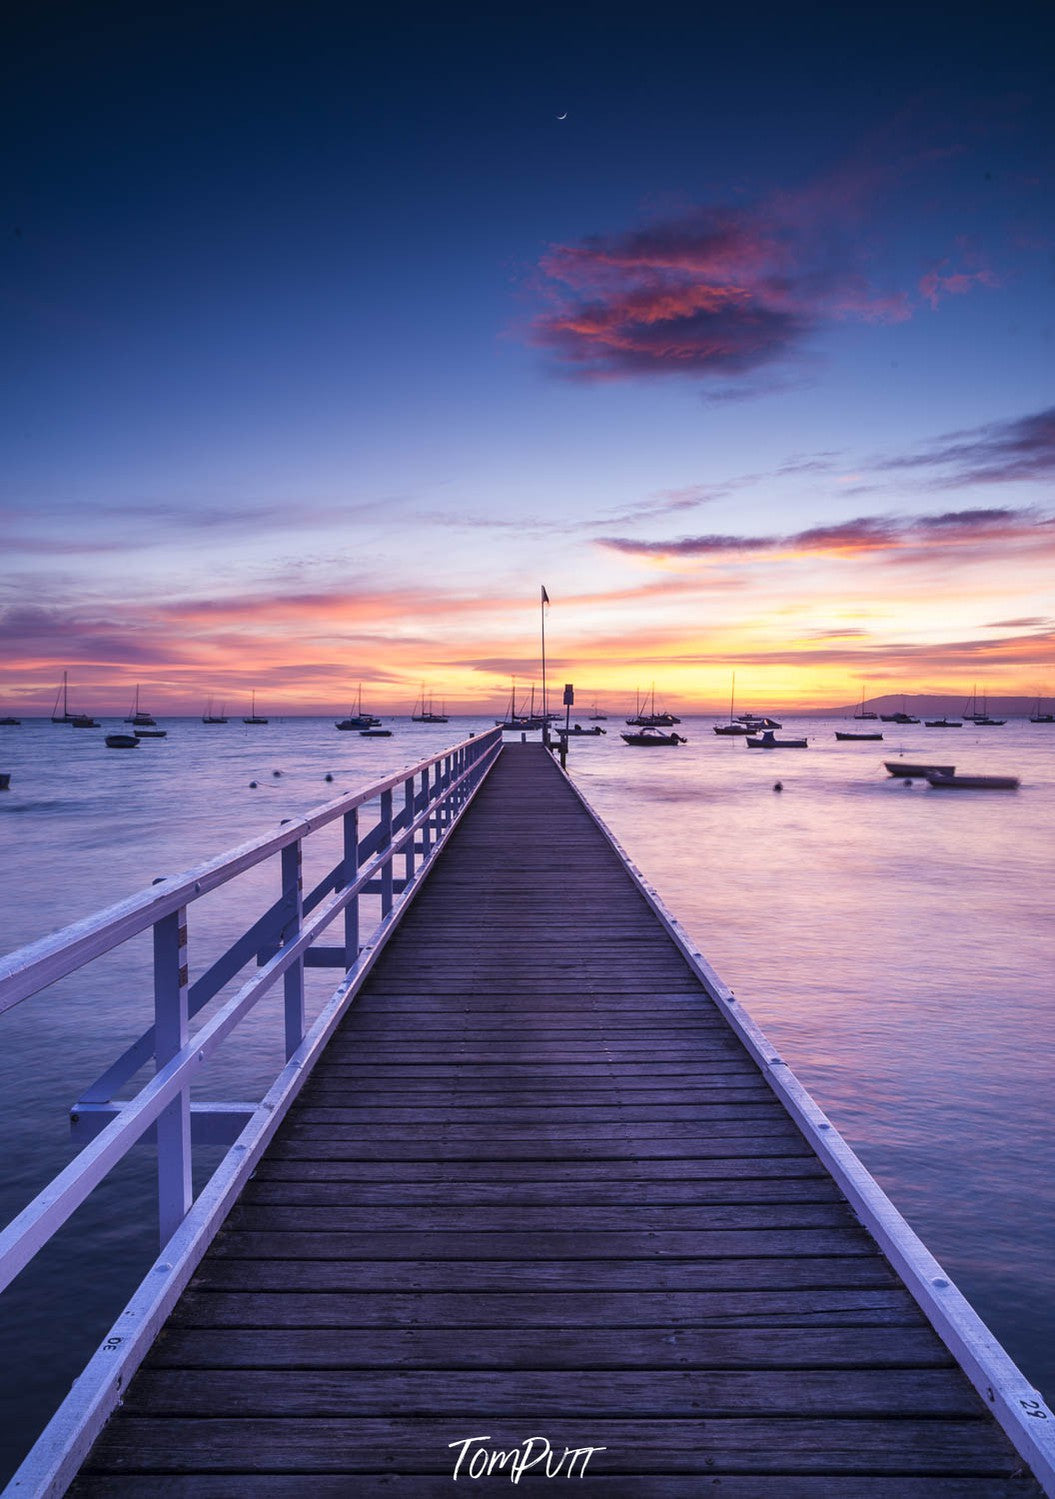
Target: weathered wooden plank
point(746, 1123)
point(512, 1217)
point(569, 1122)
point(719, 1167)
point(549, 1393)
point(539, 1195)
point(722, 1087)
point(320, 1144)
point(577, 1244)
point(240, 1269)
point(784, 1308)
point(511, 1175)
point(348, 1445)
point(543, 1348)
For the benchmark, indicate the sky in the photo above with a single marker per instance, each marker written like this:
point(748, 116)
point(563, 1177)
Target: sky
point(329, 340)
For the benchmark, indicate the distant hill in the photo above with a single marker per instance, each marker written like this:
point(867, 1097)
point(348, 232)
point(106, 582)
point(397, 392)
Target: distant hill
point(944, 705)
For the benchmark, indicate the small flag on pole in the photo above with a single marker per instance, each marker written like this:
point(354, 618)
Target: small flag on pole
point(545, 596)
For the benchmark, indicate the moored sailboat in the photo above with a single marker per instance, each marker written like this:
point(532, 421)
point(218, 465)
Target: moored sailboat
point(359, 720)
point(139, 717)
point(253, 717)
point(425, 710)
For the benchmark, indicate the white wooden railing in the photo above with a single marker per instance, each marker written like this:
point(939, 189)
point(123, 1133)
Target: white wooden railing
point(418, 807)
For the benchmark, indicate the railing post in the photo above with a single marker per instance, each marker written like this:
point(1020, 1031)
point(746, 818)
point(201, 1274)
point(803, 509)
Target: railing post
point(293, 978)
point(171, 1033)
point(408, 821)
point(426, 826)
point(386, 843)
point(437, 810)
point(351, 869)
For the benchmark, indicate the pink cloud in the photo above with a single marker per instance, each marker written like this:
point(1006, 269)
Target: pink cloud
point(720, 292)
point(944, 281)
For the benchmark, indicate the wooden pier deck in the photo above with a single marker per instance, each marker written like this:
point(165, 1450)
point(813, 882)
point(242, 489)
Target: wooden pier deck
point(536, 1187)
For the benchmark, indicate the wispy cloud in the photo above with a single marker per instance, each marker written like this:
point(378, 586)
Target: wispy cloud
point(901, 537)
point(997, 453)
point(956, 276)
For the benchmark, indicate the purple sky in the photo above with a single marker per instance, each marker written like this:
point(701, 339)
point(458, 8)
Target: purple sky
point(327, 341)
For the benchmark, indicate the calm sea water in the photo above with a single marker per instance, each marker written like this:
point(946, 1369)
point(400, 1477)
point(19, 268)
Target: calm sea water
point(895, 942)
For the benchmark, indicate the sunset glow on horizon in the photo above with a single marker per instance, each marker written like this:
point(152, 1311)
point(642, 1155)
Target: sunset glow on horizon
point(744, 352)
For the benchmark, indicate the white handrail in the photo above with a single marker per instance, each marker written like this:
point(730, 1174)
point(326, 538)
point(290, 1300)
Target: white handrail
point(431, 811)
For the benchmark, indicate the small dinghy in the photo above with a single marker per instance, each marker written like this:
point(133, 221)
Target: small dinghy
point(912, 772)
point(122, 741)
point(841, 735)
point(770, 741)
point(374, 733)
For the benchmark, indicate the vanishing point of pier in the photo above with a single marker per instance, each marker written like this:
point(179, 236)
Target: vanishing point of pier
point(544, 1185)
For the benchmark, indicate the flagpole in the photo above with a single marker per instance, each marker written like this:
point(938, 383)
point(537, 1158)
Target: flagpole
point(545, 715)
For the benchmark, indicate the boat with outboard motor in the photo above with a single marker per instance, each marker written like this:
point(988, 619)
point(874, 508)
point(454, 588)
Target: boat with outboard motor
point(650, 734)
point(768, 740)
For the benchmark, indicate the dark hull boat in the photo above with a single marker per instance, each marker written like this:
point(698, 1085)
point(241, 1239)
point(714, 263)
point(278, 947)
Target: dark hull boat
point(973, 783)
point(122, 741)
point(909, 771)
point(770, 741)
point(652, 735)
point(841, 734)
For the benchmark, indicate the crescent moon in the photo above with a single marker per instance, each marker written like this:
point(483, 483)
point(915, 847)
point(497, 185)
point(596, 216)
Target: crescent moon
point(564, 116)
